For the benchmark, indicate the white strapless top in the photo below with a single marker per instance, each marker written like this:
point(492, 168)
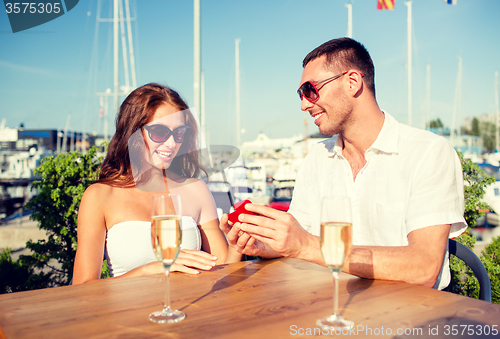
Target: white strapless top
point(128, 244)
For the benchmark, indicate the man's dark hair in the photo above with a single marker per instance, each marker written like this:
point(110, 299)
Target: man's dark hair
point(343, 54)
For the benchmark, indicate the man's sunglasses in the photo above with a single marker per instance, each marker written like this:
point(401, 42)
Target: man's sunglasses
point(310, 91)
point(161, 133)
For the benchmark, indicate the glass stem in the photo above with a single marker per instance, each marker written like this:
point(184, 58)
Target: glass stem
point(336, 293)
point(167, 291)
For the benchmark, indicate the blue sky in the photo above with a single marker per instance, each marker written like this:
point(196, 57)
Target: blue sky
point(53, 71)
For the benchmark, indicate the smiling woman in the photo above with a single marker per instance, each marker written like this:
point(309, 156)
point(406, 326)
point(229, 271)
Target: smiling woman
point(168, 141)
point(154, 150)
point(125, 160)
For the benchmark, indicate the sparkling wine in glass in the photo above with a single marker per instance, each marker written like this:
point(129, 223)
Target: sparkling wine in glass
point(166, 236)
point(336, 245)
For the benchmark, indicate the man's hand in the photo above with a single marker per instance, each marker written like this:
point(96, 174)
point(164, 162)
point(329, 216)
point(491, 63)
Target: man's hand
point(243, 243)
point(277, 233)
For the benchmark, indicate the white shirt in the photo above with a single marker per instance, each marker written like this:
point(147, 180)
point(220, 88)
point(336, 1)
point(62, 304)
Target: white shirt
point(128, 244)
point(412, 179)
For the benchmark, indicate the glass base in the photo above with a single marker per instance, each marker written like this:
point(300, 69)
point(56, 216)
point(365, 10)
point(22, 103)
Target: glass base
point(163, 317)
point(335, 322)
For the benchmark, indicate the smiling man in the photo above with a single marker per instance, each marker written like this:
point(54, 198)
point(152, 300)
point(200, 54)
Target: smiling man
point(405, 184)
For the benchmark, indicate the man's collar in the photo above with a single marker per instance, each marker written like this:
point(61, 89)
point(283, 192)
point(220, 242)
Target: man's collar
point(338, 144)
point(386, 142)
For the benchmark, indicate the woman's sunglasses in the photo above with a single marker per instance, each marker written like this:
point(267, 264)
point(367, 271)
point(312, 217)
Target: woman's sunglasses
point(161, 133)
point(310, 91)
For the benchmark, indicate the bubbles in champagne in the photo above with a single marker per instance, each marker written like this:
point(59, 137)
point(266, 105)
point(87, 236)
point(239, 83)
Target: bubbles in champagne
point(335, 241)
point(166, 238)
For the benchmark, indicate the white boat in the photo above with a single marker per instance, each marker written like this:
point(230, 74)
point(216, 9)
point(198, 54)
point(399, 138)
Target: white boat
point(257, 173)
point(22, 164)
point(491, 196)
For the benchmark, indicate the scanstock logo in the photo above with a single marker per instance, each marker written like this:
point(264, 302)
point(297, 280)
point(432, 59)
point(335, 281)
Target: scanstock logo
point(25, 15)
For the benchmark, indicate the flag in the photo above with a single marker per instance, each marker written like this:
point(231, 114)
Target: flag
point(451, 2)
point(387, 4)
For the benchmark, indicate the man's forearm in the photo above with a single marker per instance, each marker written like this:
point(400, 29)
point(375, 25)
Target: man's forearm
point(400, 263)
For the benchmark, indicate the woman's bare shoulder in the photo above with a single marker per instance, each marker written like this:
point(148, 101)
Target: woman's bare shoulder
point(196, 184)
point(98, 189)
point(196, 189)
point(101, 193)
point(195, 181)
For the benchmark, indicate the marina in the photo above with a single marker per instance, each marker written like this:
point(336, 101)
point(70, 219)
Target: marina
point(262, 170)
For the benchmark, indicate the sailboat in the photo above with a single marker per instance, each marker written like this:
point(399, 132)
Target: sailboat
point(122, 36)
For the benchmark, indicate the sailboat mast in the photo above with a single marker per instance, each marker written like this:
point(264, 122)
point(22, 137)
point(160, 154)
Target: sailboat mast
point(428, 97)
point(64, 147)
point(409, 34)
point(115, 57)
point(124, 49)
point(349, 19)
point(106, 110)
point(202, 107)
point(237, 73)
point(497, 111)
point(197, 58)
point(130, 45)
point(118, 21)
point(458, 98)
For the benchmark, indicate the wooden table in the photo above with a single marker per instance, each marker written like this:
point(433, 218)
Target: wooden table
point(253, 299)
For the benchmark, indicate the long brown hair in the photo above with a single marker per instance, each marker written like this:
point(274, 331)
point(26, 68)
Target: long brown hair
point(135, 112)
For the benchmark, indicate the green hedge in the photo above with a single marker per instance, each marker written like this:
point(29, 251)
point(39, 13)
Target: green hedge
point(463, 280)
point(63, 180)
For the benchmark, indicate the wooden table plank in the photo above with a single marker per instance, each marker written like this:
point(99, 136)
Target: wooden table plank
point(267, 299)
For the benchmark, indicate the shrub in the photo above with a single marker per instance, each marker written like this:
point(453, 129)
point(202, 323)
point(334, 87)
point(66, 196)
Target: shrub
point(463, 280)
point(16, 276)
point(475, 181)
point(491, 260)
point(63, 180)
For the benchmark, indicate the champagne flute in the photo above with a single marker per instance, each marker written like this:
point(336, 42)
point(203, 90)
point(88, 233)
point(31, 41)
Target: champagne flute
point(336, 245)
point(166, 236)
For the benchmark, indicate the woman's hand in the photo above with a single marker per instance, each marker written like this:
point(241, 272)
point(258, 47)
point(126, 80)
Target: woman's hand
point(189, 260)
